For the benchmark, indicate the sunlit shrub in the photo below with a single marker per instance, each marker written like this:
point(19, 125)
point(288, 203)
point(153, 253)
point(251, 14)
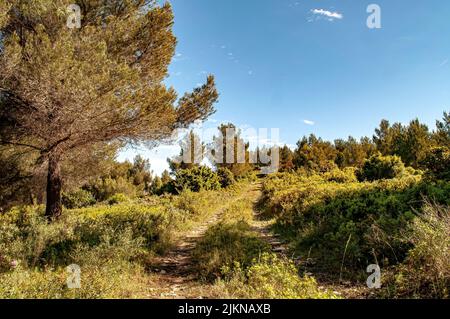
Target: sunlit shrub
point(426, 271)
point(118, 199)
point(381, 167)
point(225, 244)
point(197, 179)
point(226, 177)
point(437, 163)
point(325, 219)
point(270, 277)
point(346, 175)
point(78, 199)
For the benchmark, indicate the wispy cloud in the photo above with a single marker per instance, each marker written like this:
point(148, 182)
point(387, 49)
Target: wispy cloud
point(329, 15)
point(179, 57)
point(308, 122)
point(445, 62)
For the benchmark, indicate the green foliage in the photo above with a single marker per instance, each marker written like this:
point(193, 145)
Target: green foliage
point(78, 199)
point(118, 88)
point(197, 179)
point(437, 163)
point(118, 199)
point(270, 277)
point(426, 271)
point(106, 187)
point(381, 167)
point(240, 164)
point(118, 279)
point(226, 177)
point(313, 153)
point(319, 217)
point(225, 244)
point(410, 142)
point(346, 175)
point(110, 243)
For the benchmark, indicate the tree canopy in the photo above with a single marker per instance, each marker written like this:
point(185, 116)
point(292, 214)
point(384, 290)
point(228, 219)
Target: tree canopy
point(63, 90)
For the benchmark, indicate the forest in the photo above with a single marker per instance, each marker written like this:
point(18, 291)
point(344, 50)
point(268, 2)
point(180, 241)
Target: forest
point(72, 98)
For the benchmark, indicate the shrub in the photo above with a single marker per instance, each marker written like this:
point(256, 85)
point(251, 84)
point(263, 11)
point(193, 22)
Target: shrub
point(118, 199)
point(197, 179)
point(106, 187)
point(438, 163)
point(226, 177)
point(320, 217)
point(381, 167)
point(346, 175)
point(426, 271)
point(270, 277)
point(78, 199)
point(225, 244)
point(117, 279)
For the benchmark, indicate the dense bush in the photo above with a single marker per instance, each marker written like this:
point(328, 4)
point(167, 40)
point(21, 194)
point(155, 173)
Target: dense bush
point(226, 177)
point(118, 199)
point(346, 175)
point(426, 271)
point(437, 163)
point(110, 243)
point(381, 167)
point(226, 244)
point(107, 187)
point(365, 220)
point(78, 199)
point(197, 179)
point(270, 277)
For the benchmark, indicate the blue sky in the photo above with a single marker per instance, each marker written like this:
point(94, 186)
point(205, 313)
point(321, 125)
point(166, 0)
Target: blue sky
point(309, 66)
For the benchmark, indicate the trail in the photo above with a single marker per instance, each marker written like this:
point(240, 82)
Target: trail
point(173, 275)
point(262, 226)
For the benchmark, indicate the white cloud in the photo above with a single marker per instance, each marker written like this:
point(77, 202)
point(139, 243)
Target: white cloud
point(445, 62)
point(328, 14)
point(179, 57)
point(308, 122)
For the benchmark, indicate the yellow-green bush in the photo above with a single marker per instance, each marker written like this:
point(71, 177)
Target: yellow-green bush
point(111, 280)
point(269, 277)
point(110, 243)
point(118, 198)
point(323, 219)
point(225, 244)
point(426, 271)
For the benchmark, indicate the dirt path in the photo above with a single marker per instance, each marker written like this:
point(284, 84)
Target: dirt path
point(173, 275)
point(262, 227)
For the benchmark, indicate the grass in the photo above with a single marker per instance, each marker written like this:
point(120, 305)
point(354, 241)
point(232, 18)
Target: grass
point(110, 243)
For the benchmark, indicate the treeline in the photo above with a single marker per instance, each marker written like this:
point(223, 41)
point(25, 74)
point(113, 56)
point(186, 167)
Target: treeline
point(97, 176)
point(413, 143)
point(345, 205)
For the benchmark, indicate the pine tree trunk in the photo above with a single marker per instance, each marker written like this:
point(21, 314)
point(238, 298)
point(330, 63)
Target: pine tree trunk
point(54, 184)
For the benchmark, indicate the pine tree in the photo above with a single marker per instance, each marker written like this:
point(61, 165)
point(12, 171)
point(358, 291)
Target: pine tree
point(64, 89)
